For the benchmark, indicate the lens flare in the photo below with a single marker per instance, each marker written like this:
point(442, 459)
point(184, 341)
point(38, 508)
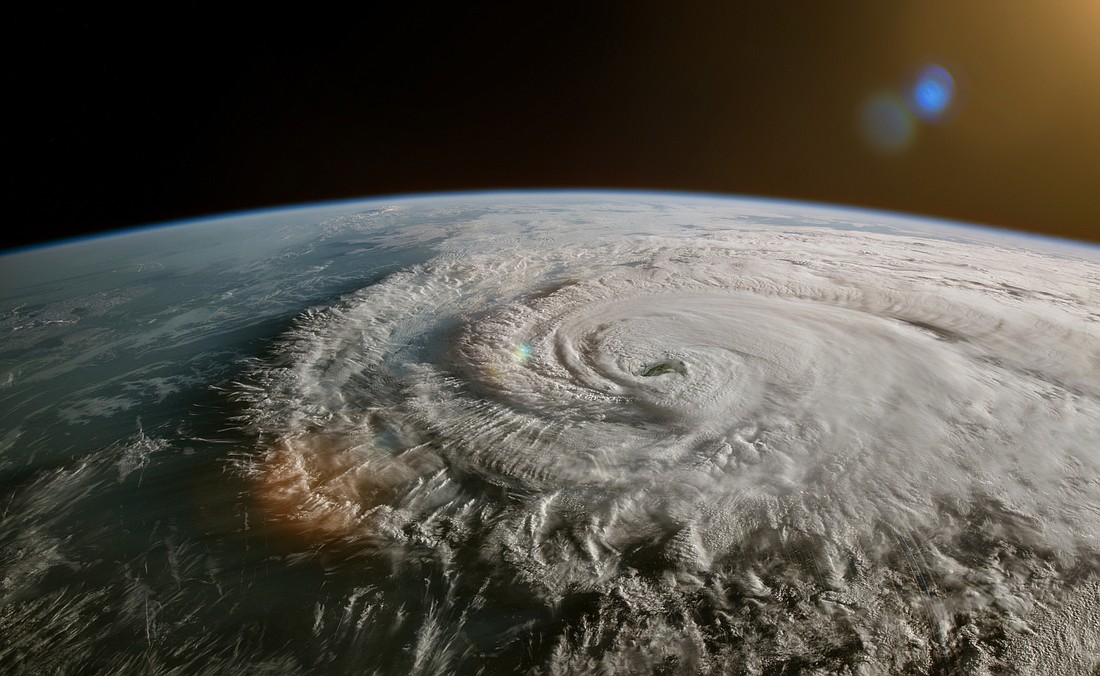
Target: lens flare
point(522, 353)
point(886, 124)
point(931, 94)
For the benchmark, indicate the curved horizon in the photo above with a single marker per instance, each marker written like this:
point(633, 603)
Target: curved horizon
point(926, 219)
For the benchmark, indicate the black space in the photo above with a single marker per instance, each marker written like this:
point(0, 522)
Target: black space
point(118, 119)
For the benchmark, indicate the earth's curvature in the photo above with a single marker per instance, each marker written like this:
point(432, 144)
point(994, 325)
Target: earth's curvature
point(552, 433)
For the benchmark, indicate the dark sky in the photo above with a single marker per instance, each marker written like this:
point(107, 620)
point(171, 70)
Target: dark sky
point(120, 119)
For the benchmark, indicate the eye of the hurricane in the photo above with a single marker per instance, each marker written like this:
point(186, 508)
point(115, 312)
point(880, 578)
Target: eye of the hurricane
point(661, 367)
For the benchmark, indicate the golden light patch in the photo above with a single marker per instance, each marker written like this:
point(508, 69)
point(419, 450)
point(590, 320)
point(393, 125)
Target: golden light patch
point(323, 487)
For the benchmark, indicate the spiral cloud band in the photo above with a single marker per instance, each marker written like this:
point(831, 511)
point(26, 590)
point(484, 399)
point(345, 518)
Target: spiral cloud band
point(732, 449)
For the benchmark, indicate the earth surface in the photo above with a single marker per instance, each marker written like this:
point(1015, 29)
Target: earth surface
point(551, 433)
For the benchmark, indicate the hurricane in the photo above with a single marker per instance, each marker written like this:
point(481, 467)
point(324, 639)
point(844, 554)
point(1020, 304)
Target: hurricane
point(831, 451)
point(552, 433)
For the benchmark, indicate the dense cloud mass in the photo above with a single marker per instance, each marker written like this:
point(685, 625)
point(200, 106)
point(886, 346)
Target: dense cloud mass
point(561, 433)
point(759, 450)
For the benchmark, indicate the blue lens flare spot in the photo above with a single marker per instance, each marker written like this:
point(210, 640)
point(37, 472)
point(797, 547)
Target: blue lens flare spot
point(931, 94)
point(886, 124)
point(522, 353)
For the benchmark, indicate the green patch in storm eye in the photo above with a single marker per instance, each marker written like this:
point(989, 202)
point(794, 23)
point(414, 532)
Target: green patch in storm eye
point(661, 367)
